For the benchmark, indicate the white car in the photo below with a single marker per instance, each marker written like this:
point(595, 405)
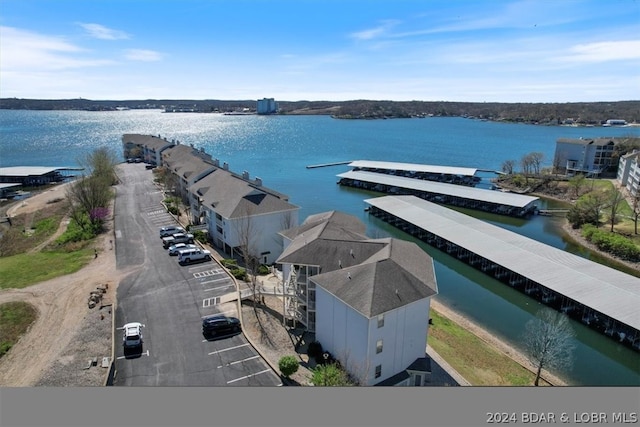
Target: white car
point(169, 230)
point(174, 249)
point(132, 334)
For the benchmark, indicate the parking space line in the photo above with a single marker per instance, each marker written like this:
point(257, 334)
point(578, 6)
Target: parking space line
point(213, 280)
point(229, 285)
point(239, 361)
point(228, 348)
point(249, 376)
point(208, 302)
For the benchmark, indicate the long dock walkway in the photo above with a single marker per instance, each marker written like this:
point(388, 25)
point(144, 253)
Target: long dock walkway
point(603, 298)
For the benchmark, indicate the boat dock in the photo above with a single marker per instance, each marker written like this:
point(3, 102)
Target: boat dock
point(498, 202)
point(601, 297)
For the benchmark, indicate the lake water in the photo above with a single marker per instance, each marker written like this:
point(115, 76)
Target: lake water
point(278, 149)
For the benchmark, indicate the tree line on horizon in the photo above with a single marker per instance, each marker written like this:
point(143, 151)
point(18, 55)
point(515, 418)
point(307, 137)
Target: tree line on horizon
point(580, 113)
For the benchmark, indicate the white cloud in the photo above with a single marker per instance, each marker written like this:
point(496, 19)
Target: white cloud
point(143, 55)
point(379, 31)
point(605, 51)
point(103, 33)
point(26, 51)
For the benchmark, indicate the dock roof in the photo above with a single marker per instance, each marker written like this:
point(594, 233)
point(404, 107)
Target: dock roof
point(604, 289)
point(472, 193)
point(414, 167)
point(32, 170)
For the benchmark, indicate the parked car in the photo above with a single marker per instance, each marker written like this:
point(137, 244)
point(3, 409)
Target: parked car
point(219, 325)
point(174, 249)
point(132, 334)
point(177, 238)
point(169, 230)
point(186, 256)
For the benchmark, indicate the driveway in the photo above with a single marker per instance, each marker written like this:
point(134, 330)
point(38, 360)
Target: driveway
point(170, 300)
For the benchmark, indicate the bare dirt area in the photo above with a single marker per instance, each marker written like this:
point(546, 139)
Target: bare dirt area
point(67, 333)
point(273, 340)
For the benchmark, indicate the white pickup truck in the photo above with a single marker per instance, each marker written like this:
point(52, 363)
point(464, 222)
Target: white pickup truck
point(177, 238)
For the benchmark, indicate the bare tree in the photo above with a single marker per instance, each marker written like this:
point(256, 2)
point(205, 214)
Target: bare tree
point(636, 210)
point(577, 182)
point(536, 159)
point(548, 341)
point(615, 199)
point(248, 236)
point(86, 196)
point(101, 163)
point(509, 166)
point(594, 203)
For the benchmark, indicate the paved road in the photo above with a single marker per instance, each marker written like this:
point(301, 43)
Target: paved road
point(170, 300)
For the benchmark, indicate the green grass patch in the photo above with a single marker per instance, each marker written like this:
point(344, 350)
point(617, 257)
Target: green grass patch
point(475, 360)
point(23, 270)
point(15, 319)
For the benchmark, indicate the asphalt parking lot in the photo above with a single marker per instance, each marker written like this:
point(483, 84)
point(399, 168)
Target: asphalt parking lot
point(171, 300)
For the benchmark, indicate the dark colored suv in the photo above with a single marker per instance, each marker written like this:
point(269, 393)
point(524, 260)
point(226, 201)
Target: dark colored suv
point(220, 325)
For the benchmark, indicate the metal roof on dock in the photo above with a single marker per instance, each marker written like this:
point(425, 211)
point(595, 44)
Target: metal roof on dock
point(489, 196)
point(607, 290)
point(414, 167)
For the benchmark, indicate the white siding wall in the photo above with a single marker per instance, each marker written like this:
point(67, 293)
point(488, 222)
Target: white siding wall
point(404, 336)
point(265, 236)
point(345, 332)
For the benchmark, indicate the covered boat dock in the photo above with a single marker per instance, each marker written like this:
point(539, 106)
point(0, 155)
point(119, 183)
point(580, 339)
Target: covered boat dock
point(599, 296)
point(446, 174)
point(27, 176)
point(456, 195)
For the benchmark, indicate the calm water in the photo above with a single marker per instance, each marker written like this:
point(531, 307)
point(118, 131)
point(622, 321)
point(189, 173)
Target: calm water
point(278, 149)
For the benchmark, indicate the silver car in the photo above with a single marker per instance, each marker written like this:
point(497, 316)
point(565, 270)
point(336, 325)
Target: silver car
point(174, 249)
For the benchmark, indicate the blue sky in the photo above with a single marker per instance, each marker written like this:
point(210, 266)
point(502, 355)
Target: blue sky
point(428, 50)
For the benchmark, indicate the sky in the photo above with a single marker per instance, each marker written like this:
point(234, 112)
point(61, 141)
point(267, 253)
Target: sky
point(333, 50)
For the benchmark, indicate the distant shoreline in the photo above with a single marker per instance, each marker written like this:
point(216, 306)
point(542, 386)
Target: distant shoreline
point(576, 114)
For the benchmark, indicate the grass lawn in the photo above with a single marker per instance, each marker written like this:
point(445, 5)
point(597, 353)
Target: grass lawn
point(22, 270)
point(15, 319)
point(474, 359)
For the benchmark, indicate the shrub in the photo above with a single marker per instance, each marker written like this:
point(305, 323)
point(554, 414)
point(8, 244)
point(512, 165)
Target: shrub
point(612, 243)
point(263, 270)
point(288, 365)
point(229, 263)
point(314, 349)
point(239, 273)
point(330, 375)
point(200, 236)
point(173, 209)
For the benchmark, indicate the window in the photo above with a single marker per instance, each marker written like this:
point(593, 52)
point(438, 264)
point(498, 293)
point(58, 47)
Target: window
point(380, 320)
point(378, 371)
point(379, 346)
point(417, 380)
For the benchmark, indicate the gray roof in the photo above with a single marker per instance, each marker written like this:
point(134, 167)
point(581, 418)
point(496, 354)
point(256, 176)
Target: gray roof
point(604, 289)
point(332, 225)
point(490, 196)
point(234, 197)
point(414, 167)
point(150, 141)
point(185, 161)
point(588, 141)
point(398, 274)
point(371, 275)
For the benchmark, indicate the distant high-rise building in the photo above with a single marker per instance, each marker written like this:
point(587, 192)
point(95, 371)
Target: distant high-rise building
point(267, 106)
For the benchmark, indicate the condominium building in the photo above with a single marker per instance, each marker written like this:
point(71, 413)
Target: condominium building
point(629, 172)
point(587, 156)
